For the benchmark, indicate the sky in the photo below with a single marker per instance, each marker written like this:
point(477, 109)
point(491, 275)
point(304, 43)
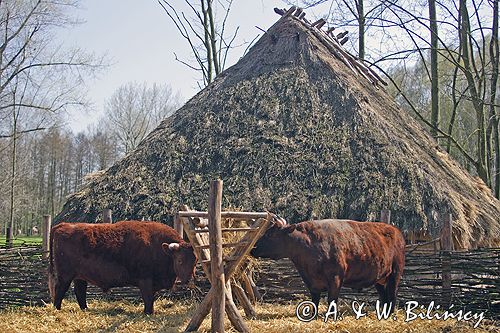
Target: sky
point(139, 40)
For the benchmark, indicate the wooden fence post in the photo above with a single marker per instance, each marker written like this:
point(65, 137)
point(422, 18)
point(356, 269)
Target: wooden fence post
point(385, 216)
point(9, 237)
point(217, 265)
point(47, 223)
point(107, 215)
point(178, 226)
point(446, 247)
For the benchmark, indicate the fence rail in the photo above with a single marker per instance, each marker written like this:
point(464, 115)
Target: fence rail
point(475, 282)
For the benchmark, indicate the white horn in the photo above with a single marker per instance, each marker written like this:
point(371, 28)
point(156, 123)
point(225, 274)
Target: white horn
point(173, 246)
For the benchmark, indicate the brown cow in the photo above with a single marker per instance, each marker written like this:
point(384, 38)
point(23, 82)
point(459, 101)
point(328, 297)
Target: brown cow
point(148, 255)
point(329, 254)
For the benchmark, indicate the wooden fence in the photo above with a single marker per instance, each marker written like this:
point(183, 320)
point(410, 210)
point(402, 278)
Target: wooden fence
point(23, 281)
point(475, 280)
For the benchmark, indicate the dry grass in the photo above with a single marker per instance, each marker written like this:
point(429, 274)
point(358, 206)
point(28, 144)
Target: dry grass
point(174, 316)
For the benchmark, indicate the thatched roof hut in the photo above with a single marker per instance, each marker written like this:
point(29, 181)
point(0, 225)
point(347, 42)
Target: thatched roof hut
point(292, 129)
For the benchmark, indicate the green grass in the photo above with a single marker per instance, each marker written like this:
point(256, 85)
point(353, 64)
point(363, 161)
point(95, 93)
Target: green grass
point(23, 240)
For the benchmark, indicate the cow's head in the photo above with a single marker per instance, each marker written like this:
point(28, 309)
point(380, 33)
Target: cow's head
point(272, 243)
point(184, 260)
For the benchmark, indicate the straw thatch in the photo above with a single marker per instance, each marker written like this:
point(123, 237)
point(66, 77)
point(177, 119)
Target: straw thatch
point(292, 129)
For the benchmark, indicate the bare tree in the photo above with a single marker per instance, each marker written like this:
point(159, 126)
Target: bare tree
point(434, 69)
point(360, 14)
point(36, 77)
point(135, 109)
point(493, 114)
point(207, 36)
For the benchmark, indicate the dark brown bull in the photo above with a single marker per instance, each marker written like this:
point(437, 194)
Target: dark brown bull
point(148, 255)
point(329, 254)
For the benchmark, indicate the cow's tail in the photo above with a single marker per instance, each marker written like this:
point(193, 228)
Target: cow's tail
point(52, 277)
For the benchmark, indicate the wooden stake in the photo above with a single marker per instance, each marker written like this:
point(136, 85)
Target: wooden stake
point(447, 247)
point(47, 223)
point(217, 264)
point(107, 216)
point(385, 216)
point(201, 312)
point(178, 226)
point(298, 12)
point(244, 301)
point(232, 311)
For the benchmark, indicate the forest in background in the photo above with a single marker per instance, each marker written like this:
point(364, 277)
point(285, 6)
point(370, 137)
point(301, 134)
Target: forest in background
point(441, 56)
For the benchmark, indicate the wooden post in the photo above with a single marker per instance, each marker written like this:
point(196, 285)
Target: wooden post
point(178, 226)
point(243, 300)
point(447, 247)
point(47, 223)
point(232, 311)
point(107, 216)
point(385, 216)
point(217, 265)
point(9, 237)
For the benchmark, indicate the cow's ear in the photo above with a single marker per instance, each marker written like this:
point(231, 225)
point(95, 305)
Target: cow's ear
point(170, 247)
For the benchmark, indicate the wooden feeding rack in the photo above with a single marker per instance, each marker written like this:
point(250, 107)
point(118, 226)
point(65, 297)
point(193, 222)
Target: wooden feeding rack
point(204, 230)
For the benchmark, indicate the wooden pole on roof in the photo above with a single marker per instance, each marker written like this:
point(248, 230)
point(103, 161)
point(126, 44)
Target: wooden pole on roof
point(217, 264)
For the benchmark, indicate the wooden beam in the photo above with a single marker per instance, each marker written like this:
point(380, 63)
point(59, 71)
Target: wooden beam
point(178, 226)
point(226, 245)
point(244, 301)
point(316, 22)
point(201, 312)
point(251, 238)
point(279, 11)
point(216, 254)
point(290, 11)
point(226, 215)
point(200, 231)
point(232, 311)
point(344, 40)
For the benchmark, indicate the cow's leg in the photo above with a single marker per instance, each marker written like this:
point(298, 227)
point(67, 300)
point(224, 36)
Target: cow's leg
point(147, 293)
point(392, 289)
point(334, 286)
point(60, 289)
point(80, 287)
point(382, 294)
point(315, 296)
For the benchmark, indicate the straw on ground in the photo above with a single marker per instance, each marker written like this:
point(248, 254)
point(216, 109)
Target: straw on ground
point(173, 316)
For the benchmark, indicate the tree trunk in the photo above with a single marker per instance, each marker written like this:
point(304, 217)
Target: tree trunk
point(494, 57)
point(10, 233)
point(361, 29)
point(481, 163)
point(208, 45)
point(213, 39)
point(434, 69)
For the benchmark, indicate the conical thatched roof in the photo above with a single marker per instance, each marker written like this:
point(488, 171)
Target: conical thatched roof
point(290, 128)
